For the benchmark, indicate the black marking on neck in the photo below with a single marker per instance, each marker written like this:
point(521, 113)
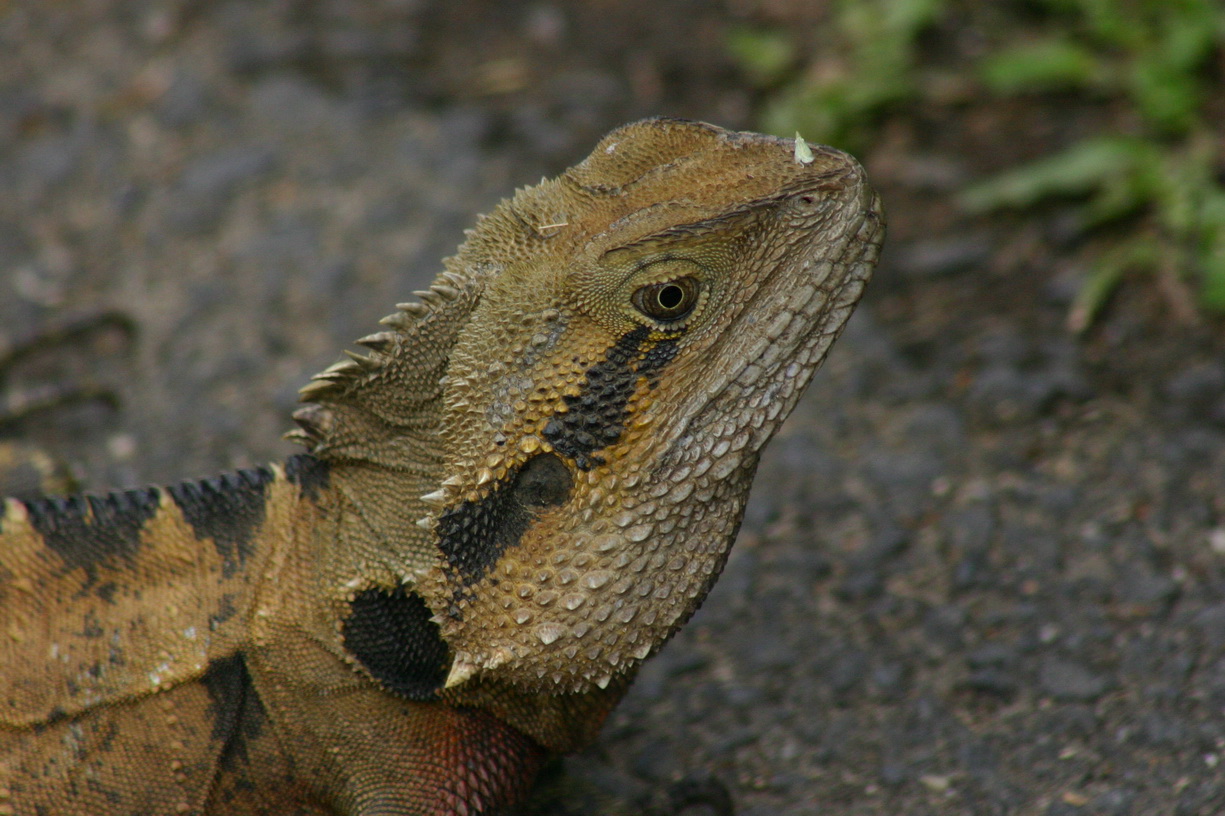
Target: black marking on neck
point(239, 718)
point(225, 610)
point(310, 473)
point(107, 592)
point(392, 636)
point(86, 530)
point(473, 535)
point(595, 418)
point(228, 510)
point(227, 681)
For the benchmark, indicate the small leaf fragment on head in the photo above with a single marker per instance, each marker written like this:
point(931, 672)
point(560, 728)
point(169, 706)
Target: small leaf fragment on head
point(543, 229)
point(803, 153)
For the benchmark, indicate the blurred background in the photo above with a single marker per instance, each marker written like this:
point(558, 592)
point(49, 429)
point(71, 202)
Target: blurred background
point(983, 571)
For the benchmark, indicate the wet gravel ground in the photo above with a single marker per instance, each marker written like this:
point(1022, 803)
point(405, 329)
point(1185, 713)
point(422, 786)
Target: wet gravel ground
point(983, 570)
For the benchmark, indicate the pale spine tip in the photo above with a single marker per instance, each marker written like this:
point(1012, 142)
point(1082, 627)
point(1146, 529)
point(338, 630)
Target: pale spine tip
point(460, 672)
point(437, 498)
point(803, 153)
point(414, 308)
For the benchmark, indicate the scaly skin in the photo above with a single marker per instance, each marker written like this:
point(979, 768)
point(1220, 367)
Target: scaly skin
point(525, 488)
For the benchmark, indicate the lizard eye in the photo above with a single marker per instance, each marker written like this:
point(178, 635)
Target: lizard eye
point(668, 301)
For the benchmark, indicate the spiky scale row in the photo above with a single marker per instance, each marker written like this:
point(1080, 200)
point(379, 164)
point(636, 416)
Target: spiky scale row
point(333, 380)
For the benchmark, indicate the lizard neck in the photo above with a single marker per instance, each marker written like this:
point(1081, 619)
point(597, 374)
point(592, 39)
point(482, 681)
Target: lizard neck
point(367, 533)
point(363, 613)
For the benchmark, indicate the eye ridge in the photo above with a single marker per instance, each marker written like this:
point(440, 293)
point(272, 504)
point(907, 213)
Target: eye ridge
point(667, 301)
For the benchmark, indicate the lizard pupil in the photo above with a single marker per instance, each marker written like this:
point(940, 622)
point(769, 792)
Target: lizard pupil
point(668, 301)
point(670, 297)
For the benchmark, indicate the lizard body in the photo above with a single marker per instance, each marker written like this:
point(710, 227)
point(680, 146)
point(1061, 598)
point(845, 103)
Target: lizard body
point(522, 491)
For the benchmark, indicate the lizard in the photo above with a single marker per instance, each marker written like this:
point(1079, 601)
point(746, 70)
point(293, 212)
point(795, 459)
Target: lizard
point(519, 490)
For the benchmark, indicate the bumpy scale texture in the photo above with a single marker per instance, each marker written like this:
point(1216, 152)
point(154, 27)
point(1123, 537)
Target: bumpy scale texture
point(520, 492)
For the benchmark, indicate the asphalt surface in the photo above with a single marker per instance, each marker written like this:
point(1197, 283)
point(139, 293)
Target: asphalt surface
point(983, 570)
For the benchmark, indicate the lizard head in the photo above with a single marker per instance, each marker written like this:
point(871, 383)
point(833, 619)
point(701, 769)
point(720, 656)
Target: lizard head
point(578, 403)
point(648, 320)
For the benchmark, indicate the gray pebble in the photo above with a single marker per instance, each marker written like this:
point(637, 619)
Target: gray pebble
point(1114, 802)
point(1196, 393)
point(220, 173)
point(1067, 681)
point(938, 257)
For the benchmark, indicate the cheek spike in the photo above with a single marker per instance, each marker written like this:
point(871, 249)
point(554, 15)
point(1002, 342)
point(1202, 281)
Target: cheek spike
point(460, 672)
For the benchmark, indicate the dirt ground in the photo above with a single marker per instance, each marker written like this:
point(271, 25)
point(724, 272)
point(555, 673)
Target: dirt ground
point(983, 570)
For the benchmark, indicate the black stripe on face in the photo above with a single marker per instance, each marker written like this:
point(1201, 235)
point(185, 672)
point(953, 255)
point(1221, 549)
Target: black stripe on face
point(595, 418)
point(87, 530)
point(474, 534)
point(391, 634)
point(228, 510)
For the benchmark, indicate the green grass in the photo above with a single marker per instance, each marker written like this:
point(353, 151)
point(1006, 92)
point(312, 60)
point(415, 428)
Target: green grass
point(1161, 182)
point(1154, 193)
point(867, 70)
